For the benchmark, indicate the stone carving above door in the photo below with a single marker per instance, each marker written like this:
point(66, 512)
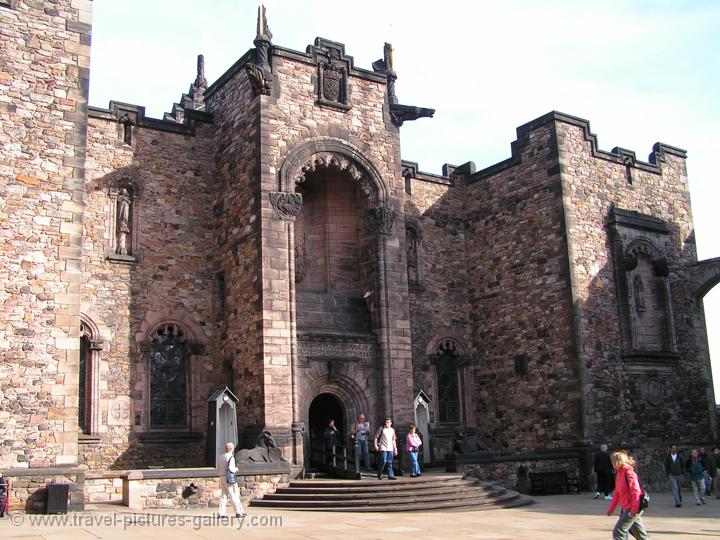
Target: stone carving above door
point(332, 76)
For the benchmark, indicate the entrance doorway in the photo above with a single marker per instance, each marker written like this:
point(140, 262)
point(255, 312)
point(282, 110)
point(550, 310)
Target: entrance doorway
point(322, 409)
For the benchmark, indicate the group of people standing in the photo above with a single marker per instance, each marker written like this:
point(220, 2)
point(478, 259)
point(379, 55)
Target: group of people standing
point(701, 468)
point(384, 444)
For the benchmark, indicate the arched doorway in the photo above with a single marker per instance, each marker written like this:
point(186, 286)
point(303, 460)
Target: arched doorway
point(324, 407)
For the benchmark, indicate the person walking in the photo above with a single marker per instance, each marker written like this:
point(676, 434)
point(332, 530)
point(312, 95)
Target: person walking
point(696, 472)
point(413, 442)
point(386, 445)
point(604, 472)
point(674, 470)
point(710, 465)
point(627, 495)
point(228, 482)
point(361, 433)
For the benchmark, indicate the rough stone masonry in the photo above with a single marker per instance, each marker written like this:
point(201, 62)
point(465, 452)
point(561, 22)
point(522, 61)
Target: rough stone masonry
point(266, 235)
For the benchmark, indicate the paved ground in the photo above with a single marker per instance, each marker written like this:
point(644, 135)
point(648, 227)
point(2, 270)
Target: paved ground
point(559, 516)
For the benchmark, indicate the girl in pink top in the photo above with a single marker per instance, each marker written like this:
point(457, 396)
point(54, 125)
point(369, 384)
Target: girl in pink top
point(627, 496)
point(413, 444)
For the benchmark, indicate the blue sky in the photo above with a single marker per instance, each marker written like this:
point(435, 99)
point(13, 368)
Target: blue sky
point(640, 71)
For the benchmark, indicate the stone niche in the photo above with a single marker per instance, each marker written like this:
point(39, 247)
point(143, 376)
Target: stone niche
point(644, 297)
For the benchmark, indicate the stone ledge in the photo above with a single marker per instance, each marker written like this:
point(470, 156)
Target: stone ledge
point(244, 469)
point(169, 437)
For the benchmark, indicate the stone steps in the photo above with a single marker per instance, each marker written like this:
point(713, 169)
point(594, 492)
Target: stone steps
point(426, 493)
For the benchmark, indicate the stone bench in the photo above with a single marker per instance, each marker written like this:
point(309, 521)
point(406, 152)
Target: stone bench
point(545, 483)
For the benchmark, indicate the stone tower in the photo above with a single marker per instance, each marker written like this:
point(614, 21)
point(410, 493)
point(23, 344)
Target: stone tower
point(44, 74)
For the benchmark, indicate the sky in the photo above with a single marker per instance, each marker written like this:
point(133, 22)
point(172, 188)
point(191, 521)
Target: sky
point(640, 72)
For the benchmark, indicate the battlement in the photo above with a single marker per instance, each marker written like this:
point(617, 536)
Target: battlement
point(134, 115)
point(618, 155)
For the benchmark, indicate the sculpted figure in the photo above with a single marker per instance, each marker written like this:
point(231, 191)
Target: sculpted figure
point(123, 221)
point(265, 451)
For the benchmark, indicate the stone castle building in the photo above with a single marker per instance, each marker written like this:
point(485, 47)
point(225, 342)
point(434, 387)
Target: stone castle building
point(267, 236)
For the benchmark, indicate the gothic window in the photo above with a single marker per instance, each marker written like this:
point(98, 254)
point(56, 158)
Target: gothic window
point(448, 382)
point(83, 385)
point(168, 378)
point(411, 238)
point(88, 371)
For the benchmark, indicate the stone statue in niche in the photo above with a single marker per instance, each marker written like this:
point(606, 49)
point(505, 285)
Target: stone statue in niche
point(412, 256)
point(124, 208)
point(639, 292)
point(300, 259)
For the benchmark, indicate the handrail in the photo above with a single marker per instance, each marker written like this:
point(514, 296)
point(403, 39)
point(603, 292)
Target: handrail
point(337, 461)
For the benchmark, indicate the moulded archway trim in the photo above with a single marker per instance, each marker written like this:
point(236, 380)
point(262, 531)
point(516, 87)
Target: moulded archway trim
point(178, 316)
point(347, 391)
point(335, 153)
point(443, 341)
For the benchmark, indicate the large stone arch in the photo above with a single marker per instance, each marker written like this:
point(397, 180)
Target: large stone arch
point(704, 276)
point(345, 389)
point(325, 152)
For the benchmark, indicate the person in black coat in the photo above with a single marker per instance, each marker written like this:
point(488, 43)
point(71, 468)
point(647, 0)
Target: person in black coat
point(602, 465)
point(710, 466)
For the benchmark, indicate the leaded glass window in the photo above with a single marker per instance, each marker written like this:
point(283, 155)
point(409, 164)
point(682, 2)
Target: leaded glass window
point(448, 385)
point(168, 378)
point(448, 402)
point(83, 387)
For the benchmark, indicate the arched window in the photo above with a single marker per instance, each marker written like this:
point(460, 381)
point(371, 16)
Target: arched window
point(169, 378)
point(88, 371)
point(447, 372)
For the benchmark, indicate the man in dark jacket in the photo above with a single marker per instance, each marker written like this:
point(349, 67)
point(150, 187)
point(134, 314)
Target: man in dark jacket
point(675, 469)
point(604, 471)
point(710, 466)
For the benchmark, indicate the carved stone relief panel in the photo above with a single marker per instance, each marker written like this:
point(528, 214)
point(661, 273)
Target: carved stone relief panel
point(332, 76)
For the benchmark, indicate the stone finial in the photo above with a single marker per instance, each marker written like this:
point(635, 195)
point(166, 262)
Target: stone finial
point(262, 26)
point(398, 113)
point(200, 83)
point(385, 65)
point(260, 72)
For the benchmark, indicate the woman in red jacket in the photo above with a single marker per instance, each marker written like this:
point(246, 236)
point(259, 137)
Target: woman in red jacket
point(627, 495)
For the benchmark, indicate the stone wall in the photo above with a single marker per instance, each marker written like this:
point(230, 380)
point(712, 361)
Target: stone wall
point(193, 488)
point(641, 385)
point(28, 488)
point(236, 253)
point(43, 88)
point(527, 390)
point(513, 471)
point(439, 307)
point(166, 279)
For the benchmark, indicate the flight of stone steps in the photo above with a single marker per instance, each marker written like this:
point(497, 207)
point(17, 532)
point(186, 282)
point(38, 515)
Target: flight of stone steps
point(431, 492)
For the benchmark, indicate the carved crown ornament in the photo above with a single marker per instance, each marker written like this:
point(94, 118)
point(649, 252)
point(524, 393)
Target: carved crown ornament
point(286, 204)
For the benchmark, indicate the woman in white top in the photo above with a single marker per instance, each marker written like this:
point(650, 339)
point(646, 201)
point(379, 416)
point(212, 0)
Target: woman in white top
point(226, 462)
